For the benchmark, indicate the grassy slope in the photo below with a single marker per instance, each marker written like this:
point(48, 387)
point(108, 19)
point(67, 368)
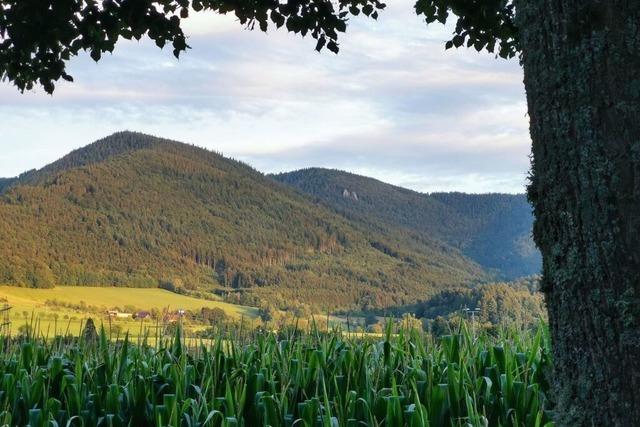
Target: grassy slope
point(144, 299)
point(28, 304)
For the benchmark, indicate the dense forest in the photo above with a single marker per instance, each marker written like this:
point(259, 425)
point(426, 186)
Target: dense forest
point(496, 304)
point(492, 229)
point(135, 210)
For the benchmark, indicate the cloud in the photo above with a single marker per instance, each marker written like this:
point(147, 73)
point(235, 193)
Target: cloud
point(393, 103)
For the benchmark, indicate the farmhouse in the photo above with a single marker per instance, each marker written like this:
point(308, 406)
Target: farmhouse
point(118, 314)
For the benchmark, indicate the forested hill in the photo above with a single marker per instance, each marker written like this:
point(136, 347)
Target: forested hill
point(118, 144)
point(134, 210)
point(492, 229)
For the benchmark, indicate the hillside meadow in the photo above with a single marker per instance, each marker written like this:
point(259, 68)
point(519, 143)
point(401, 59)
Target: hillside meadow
point(65, 308)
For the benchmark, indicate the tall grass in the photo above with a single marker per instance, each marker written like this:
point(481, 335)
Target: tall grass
point(297, 379)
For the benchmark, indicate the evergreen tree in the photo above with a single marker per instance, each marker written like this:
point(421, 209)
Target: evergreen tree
point(89, 333)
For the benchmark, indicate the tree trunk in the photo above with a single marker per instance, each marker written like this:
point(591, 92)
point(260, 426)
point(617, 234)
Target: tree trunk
point(581, 62)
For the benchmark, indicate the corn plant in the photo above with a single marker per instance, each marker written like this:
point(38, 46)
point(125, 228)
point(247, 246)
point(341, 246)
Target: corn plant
point(310, 379)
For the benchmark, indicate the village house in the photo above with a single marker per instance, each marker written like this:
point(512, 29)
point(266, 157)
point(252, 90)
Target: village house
point(118, 314)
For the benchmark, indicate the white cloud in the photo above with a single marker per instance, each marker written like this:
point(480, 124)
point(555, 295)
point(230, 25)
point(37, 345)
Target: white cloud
point(393, 103)
point(207, 23)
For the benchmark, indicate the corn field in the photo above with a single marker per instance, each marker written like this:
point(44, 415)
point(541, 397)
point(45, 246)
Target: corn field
point(264, 379)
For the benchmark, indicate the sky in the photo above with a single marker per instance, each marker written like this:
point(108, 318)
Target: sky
point(393, 104)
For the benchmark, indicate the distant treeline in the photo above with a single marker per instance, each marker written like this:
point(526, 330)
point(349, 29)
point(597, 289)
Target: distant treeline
point(518, 303)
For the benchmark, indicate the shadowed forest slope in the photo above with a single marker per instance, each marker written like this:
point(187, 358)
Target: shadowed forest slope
point(492, 229)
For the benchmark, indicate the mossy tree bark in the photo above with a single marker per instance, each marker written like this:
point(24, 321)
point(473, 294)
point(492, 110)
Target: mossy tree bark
point(581, 62)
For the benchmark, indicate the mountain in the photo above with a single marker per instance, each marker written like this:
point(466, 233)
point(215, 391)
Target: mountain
point(492, 229)
point(136, 210)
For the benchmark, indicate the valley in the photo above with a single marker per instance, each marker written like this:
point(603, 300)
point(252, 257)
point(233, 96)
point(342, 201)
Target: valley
point(133, 213)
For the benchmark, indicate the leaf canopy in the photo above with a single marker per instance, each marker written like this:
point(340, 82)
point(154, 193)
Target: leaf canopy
point(39, 37)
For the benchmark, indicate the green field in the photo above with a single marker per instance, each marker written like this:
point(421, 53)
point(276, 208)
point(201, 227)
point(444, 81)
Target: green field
point(144, 299)
point(257, 378)
point(28, 303)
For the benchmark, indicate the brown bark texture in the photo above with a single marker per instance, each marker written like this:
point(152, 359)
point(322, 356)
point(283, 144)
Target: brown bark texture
point(581, 62)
